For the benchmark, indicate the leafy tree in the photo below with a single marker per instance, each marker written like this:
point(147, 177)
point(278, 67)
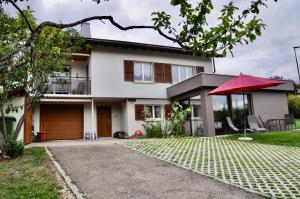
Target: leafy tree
point(33, 66)
point(21, 55)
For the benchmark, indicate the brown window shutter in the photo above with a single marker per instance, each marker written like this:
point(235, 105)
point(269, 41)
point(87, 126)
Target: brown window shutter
point(199, 69)
point(139, 111)
point(128, 70)
point(159, 72)
point(168, 73)
point(168, 110)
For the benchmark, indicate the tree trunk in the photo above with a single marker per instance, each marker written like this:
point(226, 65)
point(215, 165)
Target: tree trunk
point(3, 130)
point(27, 107)
point(19, 125)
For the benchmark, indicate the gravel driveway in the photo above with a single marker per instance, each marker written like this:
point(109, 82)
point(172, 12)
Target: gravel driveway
point(113, 171)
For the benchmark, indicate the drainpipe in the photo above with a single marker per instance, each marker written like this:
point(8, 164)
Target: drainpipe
point(92, 107)
point(213, 64)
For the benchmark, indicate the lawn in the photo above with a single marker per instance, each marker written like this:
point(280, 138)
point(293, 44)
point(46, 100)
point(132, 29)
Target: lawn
point(298, 123)
point(28, 176)
point(287, 138)
point(271, 170)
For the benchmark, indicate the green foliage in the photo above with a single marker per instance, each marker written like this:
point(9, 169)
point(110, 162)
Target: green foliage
point(178, 118)
point(285, 138)
point(166, 128)
point(294, 105)
point(193, 31)
point(28, 176)
point(14, 148)
point(35, 63)
point(154, 130)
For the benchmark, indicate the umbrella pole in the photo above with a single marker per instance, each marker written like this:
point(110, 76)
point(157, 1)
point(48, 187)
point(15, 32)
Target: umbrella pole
point(244, 113)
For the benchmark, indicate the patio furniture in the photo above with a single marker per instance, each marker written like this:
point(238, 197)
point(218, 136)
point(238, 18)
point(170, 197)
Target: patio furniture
point(245, 84)
point(229, 121)
point(290, 121)
point(233, 127)
point(252, 121)
point(277, 122)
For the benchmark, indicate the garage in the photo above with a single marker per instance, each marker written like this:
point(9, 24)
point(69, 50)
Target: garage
point(61, 121)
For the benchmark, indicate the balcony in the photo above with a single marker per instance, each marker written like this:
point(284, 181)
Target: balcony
point(71, 86)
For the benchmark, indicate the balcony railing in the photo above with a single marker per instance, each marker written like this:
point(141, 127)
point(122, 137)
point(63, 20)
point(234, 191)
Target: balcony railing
point(72, 86)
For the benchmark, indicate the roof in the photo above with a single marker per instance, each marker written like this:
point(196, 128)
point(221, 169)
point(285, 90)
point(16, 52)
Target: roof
point(140, 46)
point(192, 86)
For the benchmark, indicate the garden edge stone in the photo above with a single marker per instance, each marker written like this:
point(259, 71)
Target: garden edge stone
point(73, 187)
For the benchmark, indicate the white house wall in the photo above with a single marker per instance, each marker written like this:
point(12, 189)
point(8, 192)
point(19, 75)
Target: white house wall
point(107, 72)
point(133, 124)
point(36, 118)
point(19, 101)
point(78, 69)
point(270, 105)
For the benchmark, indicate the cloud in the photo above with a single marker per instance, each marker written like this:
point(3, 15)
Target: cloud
point(271, 54)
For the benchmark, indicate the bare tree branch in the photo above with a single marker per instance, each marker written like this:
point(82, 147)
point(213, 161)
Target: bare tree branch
point(22, 13)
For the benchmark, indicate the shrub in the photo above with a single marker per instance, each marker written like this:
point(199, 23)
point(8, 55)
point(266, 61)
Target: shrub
point(14, 148)
point(178, 117)
point(294, 105)
point(154, 130)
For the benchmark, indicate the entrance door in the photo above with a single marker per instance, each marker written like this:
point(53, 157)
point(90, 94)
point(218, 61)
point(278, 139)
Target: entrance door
point(104, 121)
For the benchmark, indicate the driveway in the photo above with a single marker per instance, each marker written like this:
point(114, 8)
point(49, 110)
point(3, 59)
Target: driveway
point(113, 171)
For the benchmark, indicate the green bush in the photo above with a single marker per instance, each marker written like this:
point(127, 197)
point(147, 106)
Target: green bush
point(294, 105)
point(14, 148)
point(154, 130)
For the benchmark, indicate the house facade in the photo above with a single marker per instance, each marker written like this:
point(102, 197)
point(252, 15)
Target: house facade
point(106, 88)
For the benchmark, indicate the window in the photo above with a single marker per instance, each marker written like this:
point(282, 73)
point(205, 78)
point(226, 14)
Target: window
point(195, 111)
point(181, 73)
point(142, 71)
point(154, 112)
point(64, 73)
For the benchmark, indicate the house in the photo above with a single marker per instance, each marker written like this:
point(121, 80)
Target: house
point(107, 88)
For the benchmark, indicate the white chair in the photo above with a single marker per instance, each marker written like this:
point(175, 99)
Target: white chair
point(253, 124)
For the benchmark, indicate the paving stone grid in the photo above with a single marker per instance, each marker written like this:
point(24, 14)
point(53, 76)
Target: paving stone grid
point(268, 169)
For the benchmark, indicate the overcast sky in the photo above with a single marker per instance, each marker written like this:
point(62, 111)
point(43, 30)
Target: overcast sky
point(271, 54)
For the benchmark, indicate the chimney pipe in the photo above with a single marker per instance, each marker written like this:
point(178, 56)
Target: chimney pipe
point(85, 30)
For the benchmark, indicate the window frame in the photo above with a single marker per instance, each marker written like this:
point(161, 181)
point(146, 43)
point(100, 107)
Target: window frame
point(179, 74)
point(143, 72)
point(153, 118)
point(193, 113)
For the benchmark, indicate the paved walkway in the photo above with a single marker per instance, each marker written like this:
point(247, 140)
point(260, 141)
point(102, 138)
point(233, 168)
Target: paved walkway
point(72, 143)
point(113, 171)
point(268, 169)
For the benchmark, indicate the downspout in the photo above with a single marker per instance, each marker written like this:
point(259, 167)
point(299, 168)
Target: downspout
point(213, 64)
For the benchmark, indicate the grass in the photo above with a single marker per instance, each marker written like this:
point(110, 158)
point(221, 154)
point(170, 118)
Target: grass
point(28, 176)
point(285, 138)
point(298, 123)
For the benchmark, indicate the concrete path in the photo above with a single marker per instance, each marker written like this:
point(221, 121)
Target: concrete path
point(80, 142)
point(113, 171)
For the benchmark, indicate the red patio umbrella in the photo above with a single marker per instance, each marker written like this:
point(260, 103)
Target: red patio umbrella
point(244, 83)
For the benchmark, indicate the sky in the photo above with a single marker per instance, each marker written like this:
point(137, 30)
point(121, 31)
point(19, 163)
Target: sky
point(271, 54)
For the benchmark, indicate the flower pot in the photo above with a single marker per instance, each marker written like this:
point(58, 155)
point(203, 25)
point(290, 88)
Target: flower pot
point(42, 137)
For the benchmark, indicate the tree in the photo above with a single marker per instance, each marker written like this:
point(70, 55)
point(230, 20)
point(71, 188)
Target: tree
point(192, 33)
point(35, 65)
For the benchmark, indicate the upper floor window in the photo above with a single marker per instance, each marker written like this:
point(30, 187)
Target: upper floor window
point(142, 71)
point(181, 73)
point(154, 112)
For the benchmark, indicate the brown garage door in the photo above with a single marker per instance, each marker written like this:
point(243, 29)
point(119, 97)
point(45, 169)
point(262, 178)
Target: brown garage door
point(61, 122)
